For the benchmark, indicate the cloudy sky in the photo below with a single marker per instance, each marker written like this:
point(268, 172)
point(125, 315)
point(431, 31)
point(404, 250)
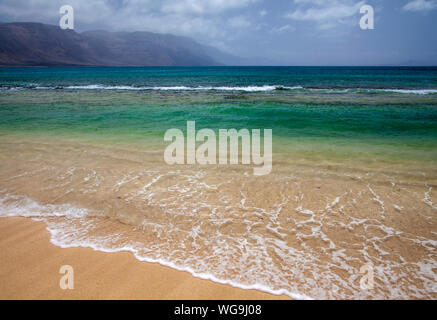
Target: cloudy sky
point(285, 32)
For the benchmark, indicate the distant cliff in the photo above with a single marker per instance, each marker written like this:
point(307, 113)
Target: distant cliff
point(37, 44)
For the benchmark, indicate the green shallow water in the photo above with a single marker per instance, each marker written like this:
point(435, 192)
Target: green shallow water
point(396, 129)
point(331, 112)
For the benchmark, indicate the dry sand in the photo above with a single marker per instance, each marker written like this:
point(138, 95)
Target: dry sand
point(29, 269)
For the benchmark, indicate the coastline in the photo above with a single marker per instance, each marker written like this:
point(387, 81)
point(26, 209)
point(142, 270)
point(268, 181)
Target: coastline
point(30, 270)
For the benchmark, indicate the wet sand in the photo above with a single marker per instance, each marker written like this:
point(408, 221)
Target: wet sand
point(30, 264)
point(306, 228)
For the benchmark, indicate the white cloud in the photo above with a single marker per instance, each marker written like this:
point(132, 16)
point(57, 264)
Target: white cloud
point(263, 13)
point(283, 28)
point(203, 6)
point(326, 13)
point(420, 5)
point(239, 22)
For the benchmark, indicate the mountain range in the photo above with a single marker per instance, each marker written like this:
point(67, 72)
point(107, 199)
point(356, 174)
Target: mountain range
point(37, 44)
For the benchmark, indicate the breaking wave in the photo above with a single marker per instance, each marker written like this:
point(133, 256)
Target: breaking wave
point(251, 88)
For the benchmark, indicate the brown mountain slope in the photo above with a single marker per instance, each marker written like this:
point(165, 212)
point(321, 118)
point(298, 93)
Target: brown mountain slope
point(36, 44)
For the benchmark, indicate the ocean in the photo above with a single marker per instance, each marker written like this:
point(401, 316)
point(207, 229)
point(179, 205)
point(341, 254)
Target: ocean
point(353, 181)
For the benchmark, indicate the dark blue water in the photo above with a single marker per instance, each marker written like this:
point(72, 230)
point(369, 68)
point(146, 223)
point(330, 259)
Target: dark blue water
point(306, 77)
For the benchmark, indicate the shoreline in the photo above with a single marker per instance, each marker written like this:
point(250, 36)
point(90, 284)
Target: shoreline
point(30, 270)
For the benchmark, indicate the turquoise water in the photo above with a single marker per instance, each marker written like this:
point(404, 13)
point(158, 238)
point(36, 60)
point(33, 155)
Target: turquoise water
point(388, 111)
point(307, 77)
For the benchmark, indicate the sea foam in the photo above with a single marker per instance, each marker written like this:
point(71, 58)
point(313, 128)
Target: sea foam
point(249, 88)
point(69, 226)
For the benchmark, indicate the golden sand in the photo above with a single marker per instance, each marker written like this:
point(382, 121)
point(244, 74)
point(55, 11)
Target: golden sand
point(30, 264)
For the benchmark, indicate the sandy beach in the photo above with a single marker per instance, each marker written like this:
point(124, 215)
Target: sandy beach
point(29, 269)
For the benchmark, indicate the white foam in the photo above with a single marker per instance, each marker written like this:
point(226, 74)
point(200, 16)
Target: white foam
point(65, 234)
point(410, 91)
point(249, 88)
point(243, 259)
point(427, 198)
point(176, 88)
point(19, 206)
